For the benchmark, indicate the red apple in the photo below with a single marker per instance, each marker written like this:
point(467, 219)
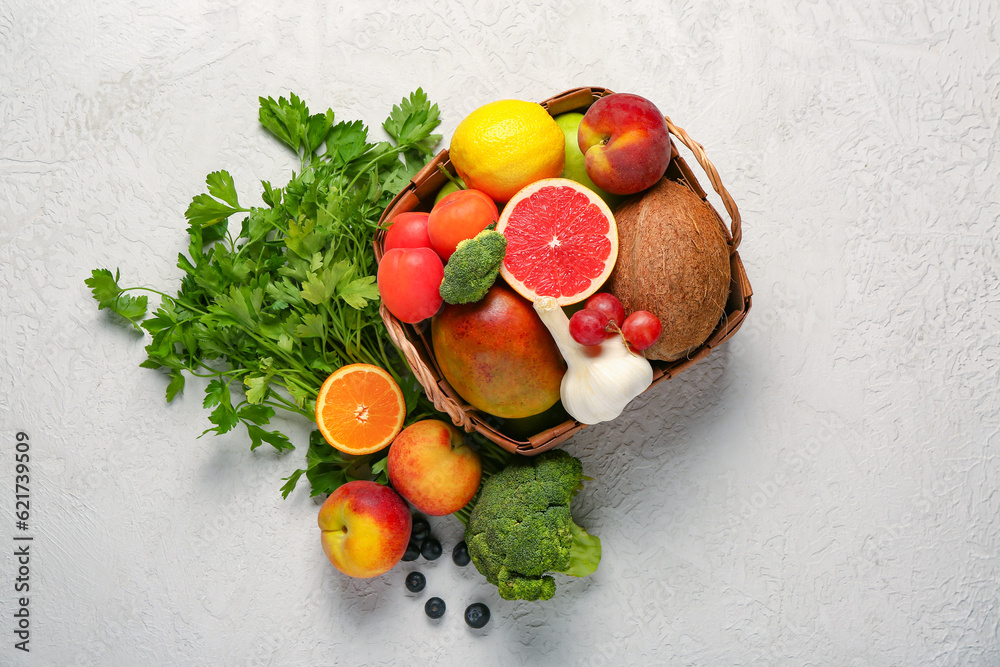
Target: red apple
point(365, 528)
point(433, 468)
point(626, 143)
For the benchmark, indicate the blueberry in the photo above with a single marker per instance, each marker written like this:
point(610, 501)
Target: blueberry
point(421, 529)
point(477, 615)
point(415, 582)
point(434, 607)
point(430, 548)
point(460, 554)
point(412, 551)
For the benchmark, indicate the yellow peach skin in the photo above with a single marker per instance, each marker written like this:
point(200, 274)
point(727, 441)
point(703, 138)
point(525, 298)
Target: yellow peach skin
point(432, 467)
point(365, 528)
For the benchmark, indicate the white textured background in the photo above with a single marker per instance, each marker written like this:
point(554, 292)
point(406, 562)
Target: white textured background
point(823, 490)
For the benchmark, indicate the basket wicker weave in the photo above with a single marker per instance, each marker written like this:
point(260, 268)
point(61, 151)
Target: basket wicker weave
point(414, 343)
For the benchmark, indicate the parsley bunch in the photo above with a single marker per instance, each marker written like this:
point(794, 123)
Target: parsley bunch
point(267, 313)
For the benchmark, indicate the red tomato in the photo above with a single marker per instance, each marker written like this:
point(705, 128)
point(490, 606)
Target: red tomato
point(407, 230)
point(409, 280)
point(459, 216)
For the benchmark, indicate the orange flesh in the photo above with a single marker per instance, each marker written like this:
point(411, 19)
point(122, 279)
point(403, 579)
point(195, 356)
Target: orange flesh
point(360, 409)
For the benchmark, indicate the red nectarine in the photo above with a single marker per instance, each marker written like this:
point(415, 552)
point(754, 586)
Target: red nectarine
point(431, 466)
point(626, 143)
point(365, 528)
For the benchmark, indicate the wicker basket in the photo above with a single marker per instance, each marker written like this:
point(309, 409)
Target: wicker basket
point(414, 342)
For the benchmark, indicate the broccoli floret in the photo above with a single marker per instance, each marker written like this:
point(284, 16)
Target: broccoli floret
point(473, 267)
point(521, 528)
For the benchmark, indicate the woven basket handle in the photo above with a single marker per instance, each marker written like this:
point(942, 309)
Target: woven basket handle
point(442, 401)
point(713, 176)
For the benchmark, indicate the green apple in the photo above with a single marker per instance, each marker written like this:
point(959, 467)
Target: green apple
point(575, 169)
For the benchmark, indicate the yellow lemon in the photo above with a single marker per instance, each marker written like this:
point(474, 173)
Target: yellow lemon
point(503, 146)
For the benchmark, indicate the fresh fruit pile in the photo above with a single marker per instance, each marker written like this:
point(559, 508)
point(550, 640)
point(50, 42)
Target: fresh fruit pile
point(583, 214)
point(546, 218)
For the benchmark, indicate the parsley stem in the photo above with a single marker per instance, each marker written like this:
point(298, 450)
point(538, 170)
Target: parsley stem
point(398, 150)
point(276, 400)
point(173, 299)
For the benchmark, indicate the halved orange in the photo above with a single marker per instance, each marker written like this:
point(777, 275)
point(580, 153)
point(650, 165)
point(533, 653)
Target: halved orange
point(562, 241)
point(360, 409)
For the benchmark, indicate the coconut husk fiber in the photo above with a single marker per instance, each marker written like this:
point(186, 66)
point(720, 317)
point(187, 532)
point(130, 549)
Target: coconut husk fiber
point(673, 260)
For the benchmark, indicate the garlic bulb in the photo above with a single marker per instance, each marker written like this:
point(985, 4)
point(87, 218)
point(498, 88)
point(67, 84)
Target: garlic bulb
point(600, 380)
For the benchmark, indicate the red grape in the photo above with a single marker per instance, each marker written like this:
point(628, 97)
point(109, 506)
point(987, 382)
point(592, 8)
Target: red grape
point(608, 305)
point(641, 329)
point(587, 327)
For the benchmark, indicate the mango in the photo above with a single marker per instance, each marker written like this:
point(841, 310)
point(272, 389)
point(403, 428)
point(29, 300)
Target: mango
point(497, 355)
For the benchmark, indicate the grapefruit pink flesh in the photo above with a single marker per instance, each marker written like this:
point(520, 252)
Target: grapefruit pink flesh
point(562, 241)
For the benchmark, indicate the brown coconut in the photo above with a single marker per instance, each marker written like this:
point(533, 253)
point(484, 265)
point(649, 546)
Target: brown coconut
point(673, 260)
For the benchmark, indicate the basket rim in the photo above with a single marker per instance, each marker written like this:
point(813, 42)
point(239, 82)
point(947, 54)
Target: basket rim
point(414, 344)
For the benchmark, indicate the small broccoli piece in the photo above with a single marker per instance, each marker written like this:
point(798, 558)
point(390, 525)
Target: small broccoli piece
point(473, 267)
point(521, 528)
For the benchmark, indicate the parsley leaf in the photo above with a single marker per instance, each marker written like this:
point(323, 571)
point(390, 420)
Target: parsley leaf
point(285, 119)
point(358, 292)
point(216, 393)
point(290, 482)
point(313, 326)
point(216, 206)
point(380, 470)
point(221, 186)
point(276, 439)
point(347, 141)
point(413, 120)
point(109, 295)
point(176, 384)
point(257, 386)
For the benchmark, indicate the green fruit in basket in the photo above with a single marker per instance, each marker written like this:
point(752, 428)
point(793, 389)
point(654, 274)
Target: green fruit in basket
point(524, 428)
point(575, 169)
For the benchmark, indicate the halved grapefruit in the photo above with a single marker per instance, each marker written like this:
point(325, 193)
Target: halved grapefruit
point(562, 241)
